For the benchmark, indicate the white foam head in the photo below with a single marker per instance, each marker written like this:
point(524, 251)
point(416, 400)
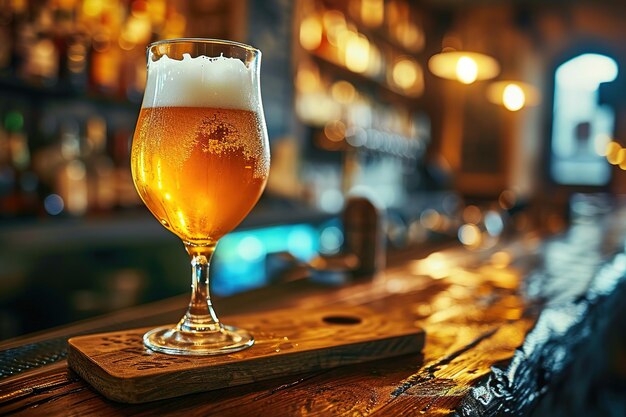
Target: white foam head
point(219, 82)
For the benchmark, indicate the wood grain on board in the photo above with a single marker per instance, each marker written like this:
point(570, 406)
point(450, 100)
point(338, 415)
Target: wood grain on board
point(286, 342)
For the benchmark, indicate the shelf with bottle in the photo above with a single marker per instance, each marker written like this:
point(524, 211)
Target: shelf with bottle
point(77, 169)
point(380, 91)
point(71, 76)
point(347, 118)
point(359, 85)
point(375, 41)
point(358, 80)
point(398, 22)
point(91, 49)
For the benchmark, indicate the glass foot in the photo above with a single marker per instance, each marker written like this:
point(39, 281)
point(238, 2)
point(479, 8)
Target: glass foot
point(177, 342)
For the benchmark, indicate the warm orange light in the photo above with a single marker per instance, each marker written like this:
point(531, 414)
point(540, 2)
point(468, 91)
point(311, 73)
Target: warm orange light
point(469, 235)
point(174, 25)
point(93, 8)
point(466, 70)
point(317, 108)
point(343, 92)
point(612, 153)
point(375, 63)
point(507, 199)
point(465, 67)
point(405, 73)
point(334, 24)
point(621, 158)
point(308, 79)
point(139, 8)
point(372, 12)
point(335, 130)
point(501, 259)
point(357, 52)
point(472, 214)
point(436, 265)
point(513, 97)
point(410, 35)
point(157, 10)
point(310, 33)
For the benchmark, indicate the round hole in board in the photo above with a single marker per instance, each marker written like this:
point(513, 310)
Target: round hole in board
point(344, 320)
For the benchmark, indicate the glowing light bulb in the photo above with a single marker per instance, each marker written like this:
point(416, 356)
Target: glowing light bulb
point(405, 73)
point(612, 153)
point(469, 235)
point(310, 33)
point(466, 70)
point(372, 12)
point(357, 52)
point(621, 158)
point(343, 92)
point(513, 97)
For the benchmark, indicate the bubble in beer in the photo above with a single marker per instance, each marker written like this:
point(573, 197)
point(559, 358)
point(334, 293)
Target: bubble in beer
point(200, 155)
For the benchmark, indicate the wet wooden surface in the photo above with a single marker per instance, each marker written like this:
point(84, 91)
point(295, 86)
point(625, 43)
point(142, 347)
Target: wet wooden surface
point(287, 342)
point(503, 327)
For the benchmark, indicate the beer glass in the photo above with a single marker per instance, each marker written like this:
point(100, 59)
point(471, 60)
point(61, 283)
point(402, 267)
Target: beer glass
point(200, 161)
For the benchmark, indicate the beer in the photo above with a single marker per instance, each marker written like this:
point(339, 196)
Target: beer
point(200, 155)
point(200, 160)
point(199, 170)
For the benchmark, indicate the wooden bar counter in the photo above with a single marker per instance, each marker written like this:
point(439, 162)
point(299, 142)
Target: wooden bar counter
point(529, 326)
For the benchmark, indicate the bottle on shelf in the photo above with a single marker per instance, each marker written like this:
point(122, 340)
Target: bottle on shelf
point(101, 187)
point(18, 182)
point(75, 69)
point(39, 53)
point(71, 175)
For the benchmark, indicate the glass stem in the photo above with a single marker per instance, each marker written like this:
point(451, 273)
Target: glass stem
point(200, 316)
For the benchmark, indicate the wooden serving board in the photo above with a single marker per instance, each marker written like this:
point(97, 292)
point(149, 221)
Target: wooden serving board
point(286, 342)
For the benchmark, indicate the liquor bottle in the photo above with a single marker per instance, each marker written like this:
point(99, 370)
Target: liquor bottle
point(71, 175)
point(40, 63)
point(105, 57)
point(75, 63)
point(19, 183)
point(101, 187)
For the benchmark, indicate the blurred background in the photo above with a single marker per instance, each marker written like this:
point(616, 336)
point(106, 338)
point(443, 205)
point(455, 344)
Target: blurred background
point(467, 121)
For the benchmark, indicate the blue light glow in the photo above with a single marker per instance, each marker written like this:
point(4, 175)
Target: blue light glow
point(239, 262)
point(331, 240)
